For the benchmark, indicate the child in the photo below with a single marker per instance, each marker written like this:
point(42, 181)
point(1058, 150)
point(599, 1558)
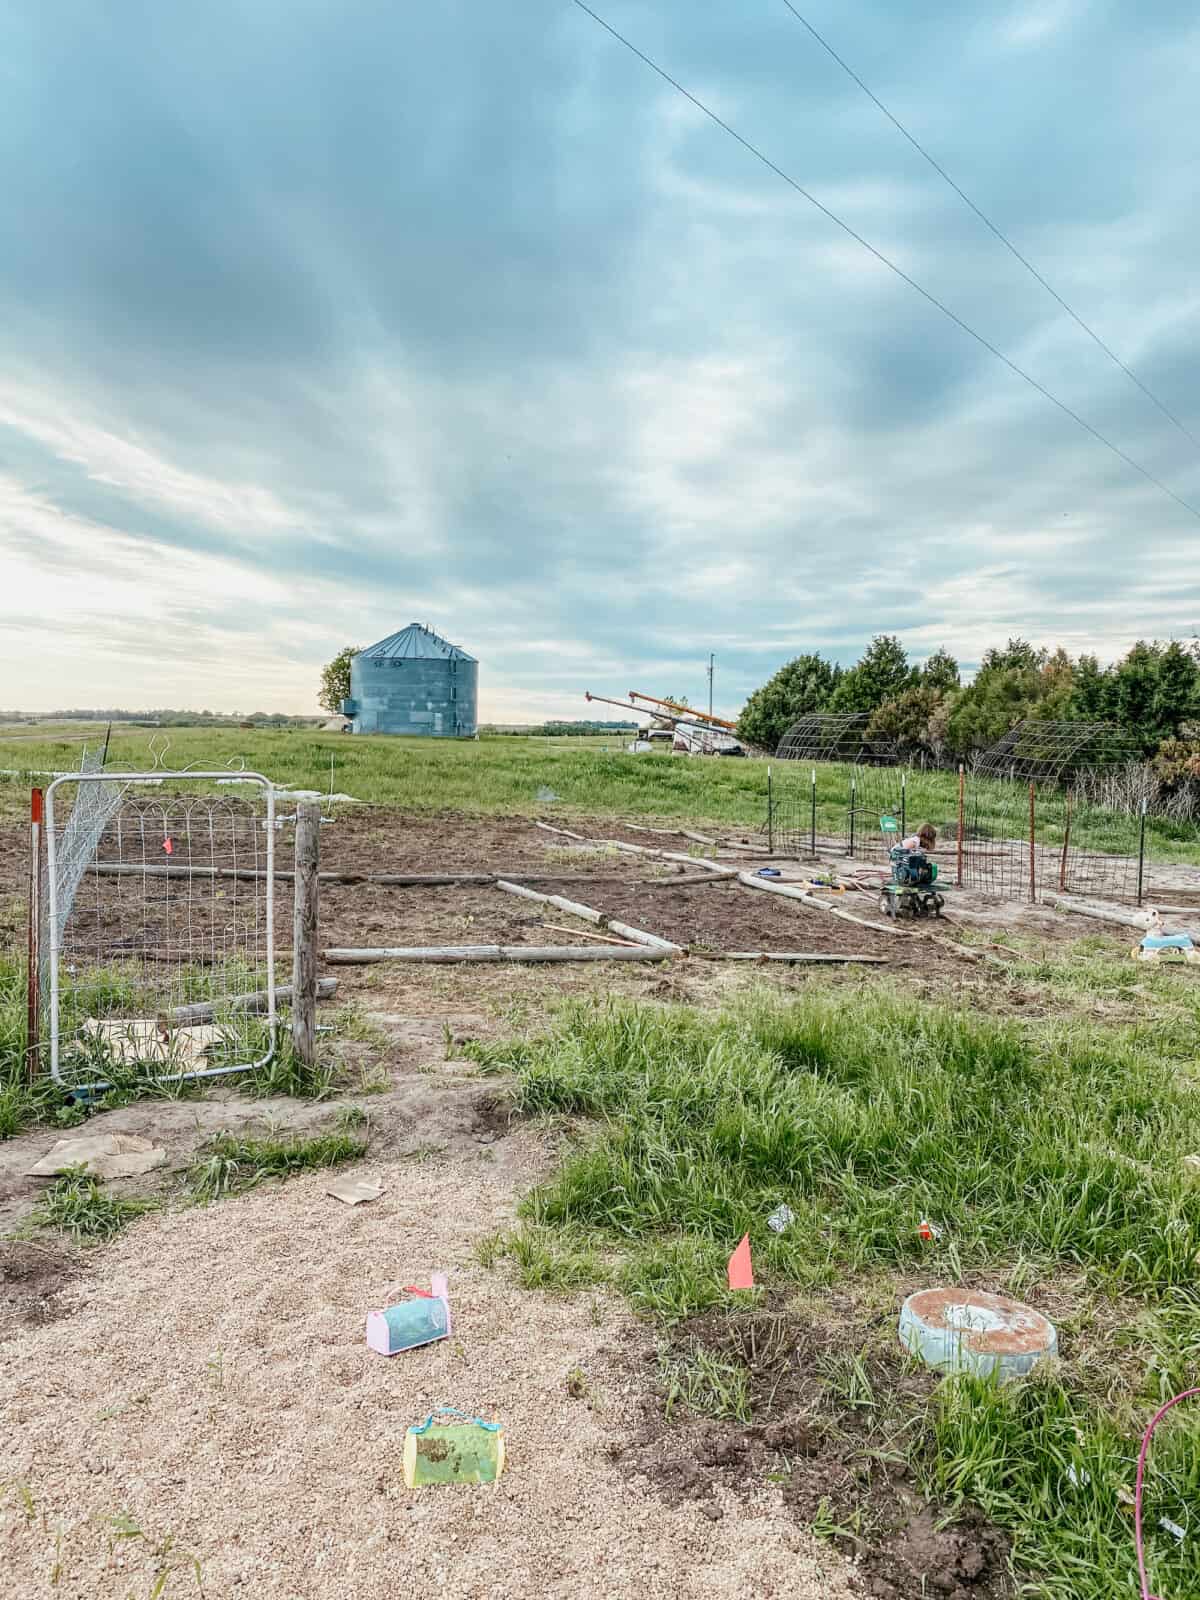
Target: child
point(924, 840)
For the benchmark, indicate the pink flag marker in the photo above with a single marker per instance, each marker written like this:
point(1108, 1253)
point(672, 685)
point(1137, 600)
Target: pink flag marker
point(741, 1273)
point(169, 847)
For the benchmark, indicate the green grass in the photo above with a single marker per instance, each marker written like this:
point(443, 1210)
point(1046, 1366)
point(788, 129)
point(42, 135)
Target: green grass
point(1045, 1152)
point(230, 1165)
point(80, 1205)
point(115, 990)
point(502, 776)
point(704, 1384)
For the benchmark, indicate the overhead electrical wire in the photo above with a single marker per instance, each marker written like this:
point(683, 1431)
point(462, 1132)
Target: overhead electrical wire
point(888, 262)
point(991, 226)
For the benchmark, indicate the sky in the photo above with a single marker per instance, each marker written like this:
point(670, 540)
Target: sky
point(320, 318)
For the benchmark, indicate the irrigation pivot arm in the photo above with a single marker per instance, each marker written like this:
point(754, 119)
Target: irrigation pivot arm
point(688, 711)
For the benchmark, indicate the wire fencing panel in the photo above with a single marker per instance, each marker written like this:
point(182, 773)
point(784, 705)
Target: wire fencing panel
point(1030, 841)
point(159, 932)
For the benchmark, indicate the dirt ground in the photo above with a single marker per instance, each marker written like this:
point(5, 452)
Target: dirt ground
point(200, 1391)
point(203, 1404)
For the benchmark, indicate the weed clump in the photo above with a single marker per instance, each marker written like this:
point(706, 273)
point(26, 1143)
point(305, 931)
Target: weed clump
point(79, 1204)
point(232, 1165)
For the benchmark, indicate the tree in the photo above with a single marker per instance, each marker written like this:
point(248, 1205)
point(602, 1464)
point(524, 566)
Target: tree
point(798, 689)
point(940, 672)
point(335, 680)
point(913, 720)
point(1012, 685)
point(1177, 692)
point(1090, 692)
point(881, 674)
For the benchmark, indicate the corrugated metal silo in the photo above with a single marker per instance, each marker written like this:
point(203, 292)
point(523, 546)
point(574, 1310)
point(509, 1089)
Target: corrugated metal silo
point(414, 681)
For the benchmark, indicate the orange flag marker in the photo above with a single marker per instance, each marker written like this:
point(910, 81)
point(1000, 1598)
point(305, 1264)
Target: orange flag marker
point(741, 1273)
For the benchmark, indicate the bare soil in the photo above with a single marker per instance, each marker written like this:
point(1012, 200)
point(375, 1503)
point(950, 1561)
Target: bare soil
point(285, 1475)
point(33, 1278)
point(846, 1467)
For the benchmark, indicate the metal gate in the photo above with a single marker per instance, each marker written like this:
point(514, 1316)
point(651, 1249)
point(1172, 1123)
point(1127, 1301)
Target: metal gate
point(158, 937)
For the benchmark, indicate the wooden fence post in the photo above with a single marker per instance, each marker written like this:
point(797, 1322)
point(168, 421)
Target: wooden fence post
point(1032, 844)
point(304, 931)
point(33, 986)
point(962, 813)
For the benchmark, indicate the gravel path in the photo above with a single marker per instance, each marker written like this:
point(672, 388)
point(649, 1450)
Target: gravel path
point(213, 1389)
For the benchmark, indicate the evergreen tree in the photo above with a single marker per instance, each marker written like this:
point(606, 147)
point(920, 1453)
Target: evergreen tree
point(882, 674)
point(801, 687)
point(940, 672)
point(1090, 692)
point(1135, 686)
point(1177, 692)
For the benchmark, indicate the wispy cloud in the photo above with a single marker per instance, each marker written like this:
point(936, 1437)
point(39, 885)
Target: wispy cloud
point(311, 325)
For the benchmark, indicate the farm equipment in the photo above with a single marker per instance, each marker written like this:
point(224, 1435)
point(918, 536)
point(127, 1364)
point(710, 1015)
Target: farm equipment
point(910, 890)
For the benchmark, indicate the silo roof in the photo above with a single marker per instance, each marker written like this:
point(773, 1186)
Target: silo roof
point(417, 643)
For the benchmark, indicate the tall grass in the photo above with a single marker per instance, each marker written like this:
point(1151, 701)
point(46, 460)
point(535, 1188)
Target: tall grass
point(1061, 1145)
point(1041, 1150)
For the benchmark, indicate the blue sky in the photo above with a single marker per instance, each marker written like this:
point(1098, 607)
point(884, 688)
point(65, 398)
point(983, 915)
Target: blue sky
point(316, 319)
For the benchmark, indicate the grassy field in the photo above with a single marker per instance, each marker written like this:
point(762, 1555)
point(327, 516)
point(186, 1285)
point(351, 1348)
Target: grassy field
point(505, 775)
point(1050, 1156)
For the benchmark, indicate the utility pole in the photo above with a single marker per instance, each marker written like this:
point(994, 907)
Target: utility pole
point(711, 660)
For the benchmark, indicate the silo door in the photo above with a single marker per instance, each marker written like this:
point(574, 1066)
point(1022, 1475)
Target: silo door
point(437, 722)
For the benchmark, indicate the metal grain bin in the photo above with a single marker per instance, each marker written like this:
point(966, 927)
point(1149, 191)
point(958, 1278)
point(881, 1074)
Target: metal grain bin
point(414, 681)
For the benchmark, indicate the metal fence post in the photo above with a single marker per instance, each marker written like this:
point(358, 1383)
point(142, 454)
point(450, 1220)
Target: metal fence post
point(814, 811)
point(304, 931)
point(853, 808)
point(33, 987)
point(1032, 844)
point(1142, 855)
point(770, 815)
point(1062, 871)
point(962, 811)
point(903, 804)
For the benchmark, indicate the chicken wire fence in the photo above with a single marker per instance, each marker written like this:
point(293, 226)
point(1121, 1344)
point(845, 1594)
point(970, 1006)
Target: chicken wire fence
point(157, 939)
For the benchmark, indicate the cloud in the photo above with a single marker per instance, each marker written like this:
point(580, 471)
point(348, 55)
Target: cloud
point(316, 321)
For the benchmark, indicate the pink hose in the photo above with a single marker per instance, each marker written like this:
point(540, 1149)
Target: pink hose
point(1141, 1477)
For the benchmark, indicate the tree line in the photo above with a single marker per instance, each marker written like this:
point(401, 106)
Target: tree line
point(1152, 694)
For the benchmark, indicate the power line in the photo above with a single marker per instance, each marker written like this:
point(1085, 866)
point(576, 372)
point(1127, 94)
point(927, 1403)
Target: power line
point(991, 226)
point(888, 262)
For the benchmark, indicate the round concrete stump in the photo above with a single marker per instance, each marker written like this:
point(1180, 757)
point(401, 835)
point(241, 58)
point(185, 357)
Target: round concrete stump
point(970, 1330)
